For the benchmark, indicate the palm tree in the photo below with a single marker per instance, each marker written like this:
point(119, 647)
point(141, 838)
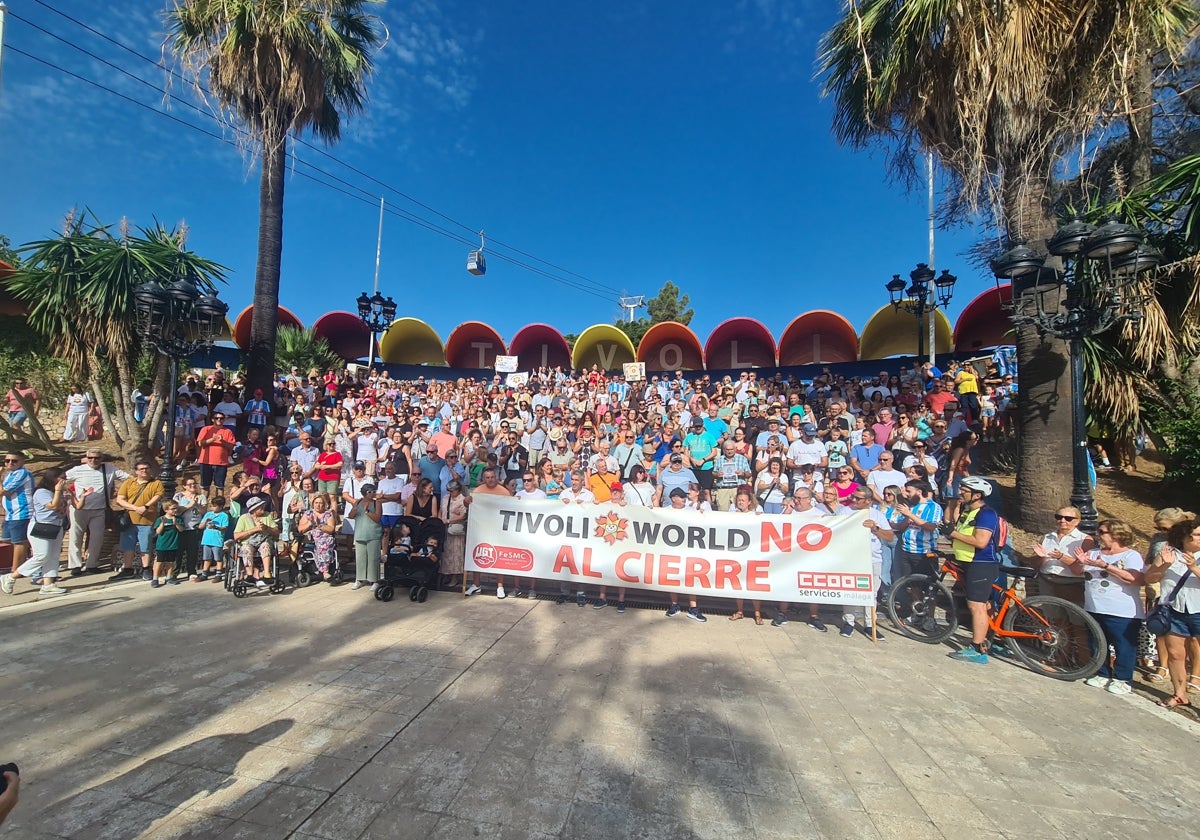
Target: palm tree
point(279, 67)
point(79, 290)
point(998, 90)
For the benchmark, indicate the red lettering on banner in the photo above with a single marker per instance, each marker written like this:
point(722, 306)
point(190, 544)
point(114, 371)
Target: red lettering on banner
point(587, 564)
point(781, 539)
point(503, 558)
point(668, 564)
point(756, 576)
point(840, 581)
point(804, 537)
point(620, 567)
point(565, 560)
point(648, 568)
point(695, 572)
point(727, 574)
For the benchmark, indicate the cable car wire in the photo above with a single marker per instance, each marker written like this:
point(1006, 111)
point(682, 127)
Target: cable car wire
point(296, 139)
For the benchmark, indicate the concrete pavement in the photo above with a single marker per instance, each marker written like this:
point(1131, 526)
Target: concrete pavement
point(326, 714)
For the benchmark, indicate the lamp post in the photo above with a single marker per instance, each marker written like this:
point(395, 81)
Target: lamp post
point(925, 293)
point(1089, 287)
point(178, 321)
point(377, 314)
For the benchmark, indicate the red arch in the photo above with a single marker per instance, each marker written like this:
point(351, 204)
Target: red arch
point(664, 334)
point(984, 322)
point(538, 344)
point(241, 327)
point(345, 332)
point(460, 353)
point(818, 337)
point(755, 345)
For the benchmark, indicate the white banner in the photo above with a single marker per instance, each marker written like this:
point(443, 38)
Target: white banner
point(506, 364)
point(634, 371)
point(723, 555)
point(516, 379)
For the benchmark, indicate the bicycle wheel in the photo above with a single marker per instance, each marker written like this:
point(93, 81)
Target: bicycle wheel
point(1066, 642)
point(922, 608)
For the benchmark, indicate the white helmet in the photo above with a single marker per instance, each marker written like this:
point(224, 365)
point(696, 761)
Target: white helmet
point(979, 485)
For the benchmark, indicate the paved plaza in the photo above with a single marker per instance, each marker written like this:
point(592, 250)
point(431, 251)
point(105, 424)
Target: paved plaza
point(326, 714)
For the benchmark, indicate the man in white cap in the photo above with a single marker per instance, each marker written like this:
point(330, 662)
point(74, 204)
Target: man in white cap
point(806, 449)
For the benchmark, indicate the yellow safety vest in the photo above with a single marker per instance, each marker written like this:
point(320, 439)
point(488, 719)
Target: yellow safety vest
point(965, 552)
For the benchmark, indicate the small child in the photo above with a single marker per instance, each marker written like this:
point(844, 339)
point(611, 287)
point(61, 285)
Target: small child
point(836, 449)
point(166, 545)
point(400, 540)
point(860, 426)
point(212, 540)
point(429, 551)
point(555, 485)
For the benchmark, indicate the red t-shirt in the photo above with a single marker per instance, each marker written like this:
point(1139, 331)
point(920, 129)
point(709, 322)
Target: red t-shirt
point(216, 453)
point(937, 400)
point(329, 473)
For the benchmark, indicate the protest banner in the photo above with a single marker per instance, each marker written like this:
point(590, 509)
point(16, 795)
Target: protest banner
point(723, 555)
point(506, 364)
point(634, 371)
point(514, 380)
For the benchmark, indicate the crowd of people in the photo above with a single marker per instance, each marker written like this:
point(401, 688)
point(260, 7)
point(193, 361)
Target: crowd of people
point(334, 459)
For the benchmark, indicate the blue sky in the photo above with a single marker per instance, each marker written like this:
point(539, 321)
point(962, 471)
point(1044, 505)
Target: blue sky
point(630, 145)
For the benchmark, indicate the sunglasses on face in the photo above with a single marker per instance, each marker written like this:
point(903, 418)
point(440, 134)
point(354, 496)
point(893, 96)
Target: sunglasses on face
point(1061, 518)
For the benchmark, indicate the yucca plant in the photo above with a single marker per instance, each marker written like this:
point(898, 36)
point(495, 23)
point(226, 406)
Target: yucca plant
point(303, 348)
point(79, 291)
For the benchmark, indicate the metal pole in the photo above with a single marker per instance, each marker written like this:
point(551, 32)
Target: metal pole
point(1081, 491)
point(378, 252)
point(920, 333)
point(932, 261)
point(167, 476)
point(3, 14)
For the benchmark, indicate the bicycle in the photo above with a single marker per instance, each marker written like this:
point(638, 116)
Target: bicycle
point(1052, 636)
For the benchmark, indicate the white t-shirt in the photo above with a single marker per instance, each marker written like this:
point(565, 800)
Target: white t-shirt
point(231, 410)
point(812, 452)
point(880, 519)
point(1104, 594)
point(877, 480)
point(537, 493)
point(388, 486)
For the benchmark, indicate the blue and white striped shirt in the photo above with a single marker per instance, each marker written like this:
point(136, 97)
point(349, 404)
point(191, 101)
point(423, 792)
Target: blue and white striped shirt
point(916, 540)
point(18, 495)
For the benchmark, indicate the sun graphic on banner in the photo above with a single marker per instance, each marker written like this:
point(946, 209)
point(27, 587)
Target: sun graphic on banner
point(611, 528)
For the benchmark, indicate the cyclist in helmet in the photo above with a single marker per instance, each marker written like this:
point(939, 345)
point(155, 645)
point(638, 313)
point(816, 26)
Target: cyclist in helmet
point(974, 543)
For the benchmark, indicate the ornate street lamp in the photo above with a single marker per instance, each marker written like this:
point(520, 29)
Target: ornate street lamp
point(377, 314)
point(1095, 289)
point(178, 321)
point(926, 292)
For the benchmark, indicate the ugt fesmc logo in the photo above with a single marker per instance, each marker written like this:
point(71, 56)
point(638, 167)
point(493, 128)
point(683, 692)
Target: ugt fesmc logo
point(503, 558)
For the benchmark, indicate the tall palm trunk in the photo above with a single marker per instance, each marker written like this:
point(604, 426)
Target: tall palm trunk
point(1044, 404)
point(264, 320)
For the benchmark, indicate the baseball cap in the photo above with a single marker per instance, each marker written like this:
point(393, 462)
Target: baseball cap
point(808, 429)
point(359, 465)
point(697, 422)
point(678, 493)
point(255, 503)
point(676, 459)
point(616, 485)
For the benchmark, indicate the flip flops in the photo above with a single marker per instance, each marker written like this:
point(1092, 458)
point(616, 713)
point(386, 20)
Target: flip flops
point(1172, 702)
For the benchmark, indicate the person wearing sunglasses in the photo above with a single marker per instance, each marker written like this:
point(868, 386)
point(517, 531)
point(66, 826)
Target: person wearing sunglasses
point(1056, 575)
point(1113, 574)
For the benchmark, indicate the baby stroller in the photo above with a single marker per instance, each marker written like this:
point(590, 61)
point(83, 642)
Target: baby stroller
point(412, 561)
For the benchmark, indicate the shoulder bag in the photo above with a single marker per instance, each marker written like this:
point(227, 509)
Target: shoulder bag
point(1158, 621)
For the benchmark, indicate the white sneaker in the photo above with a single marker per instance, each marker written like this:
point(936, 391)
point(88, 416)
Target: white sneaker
point(374, 587)
point(52, 589)
point(1097, 681)
point(473, 589)
point(260, 584)
point(7, 584)
point(499, 591)
point(1119, 687)
point(358, 584)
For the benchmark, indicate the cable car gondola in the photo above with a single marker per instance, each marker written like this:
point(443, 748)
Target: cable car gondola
point(475, 262)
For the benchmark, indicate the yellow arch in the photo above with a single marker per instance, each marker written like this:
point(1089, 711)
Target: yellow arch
point(410, 341)
point(603, 345)
point(892, 333)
